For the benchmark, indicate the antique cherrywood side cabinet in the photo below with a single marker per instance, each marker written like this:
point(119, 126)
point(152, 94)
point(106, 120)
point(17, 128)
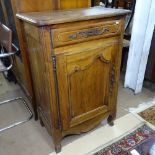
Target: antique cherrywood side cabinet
point(75, 60)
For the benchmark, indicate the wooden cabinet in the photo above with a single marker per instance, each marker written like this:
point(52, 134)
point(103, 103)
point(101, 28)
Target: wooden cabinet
point(75, 60)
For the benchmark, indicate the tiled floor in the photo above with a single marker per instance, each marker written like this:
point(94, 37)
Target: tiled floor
point(31, 139)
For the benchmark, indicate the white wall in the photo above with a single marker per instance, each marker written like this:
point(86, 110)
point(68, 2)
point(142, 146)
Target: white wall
point(143, 25)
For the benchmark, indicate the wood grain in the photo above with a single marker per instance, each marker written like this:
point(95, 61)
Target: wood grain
point(62, 16)
point(76, 34)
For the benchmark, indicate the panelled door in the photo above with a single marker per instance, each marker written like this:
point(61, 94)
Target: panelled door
point(86, 80)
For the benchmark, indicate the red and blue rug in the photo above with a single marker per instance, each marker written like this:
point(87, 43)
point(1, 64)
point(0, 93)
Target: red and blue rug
point(140, 142)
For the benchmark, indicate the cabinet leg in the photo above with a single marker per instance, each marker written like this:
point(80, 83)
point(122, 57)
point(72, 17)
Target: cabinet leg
point(110, 120)
point(41, 122)
point(57, 137)
point(58, 148)
point(35, 115)
point(34, 105)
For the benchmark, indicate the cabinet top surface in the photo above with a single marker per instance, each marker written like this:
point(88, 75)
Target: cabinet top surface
point(64, 16)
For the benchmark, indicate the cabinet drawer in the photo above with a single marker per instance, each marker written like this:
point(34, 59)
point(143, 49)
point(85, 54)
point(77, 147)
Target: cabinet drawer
point(74, 34)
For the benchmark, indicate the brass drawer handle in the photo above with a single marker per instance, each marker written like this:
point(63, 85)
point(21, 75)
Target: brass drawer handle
point(89, 33)
point(93, 32)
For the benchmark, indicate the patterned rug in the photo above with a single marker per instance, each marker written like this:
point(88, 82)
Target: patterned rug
point(148, 115)
point(140, 142)
point(145, 111)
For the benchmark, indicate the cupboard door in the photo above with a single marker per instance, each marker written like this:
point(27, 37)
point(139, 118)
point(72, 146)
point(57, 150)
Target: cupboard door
point(85, 83)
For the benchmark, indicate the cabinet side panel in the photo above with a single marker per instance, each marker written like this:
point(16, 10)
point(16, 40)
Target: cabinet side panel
point(39, 51)
point(38, 70)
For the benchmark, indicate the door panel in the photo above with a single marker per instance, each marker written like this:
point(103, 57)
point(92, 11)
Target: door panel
point(87, 89)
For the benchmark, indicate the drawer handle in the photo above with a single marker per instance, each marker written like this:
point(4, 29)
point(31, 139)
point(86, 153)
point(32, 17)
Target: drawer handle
point(93, 32)
point(89, 33)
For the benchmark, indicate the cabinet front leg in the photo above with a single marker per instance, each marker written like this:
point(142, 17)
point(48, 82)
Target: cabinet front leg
point(41, 122)
point(57, 140)
point(58, 148)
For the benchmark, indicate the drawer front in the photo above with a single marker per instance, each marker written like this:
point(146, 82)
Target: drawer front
point(71, 35)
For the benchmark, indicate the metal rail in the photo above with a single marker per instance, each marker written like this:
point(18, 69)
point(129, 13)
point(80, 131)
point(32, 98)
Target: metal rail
point(20, 122)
